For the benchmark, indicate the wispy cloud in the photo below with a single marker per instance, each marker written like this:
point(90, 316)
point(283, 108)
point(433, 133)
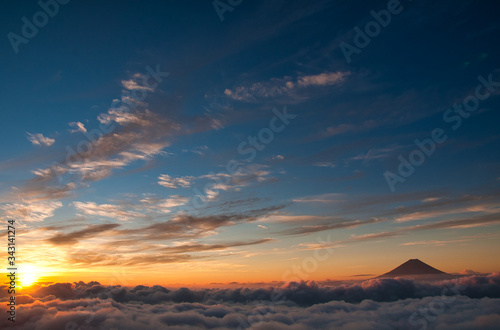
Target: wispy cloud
point(333, 223)
point(167, 181)
point(286, 86)
point(40, 140)
point(221, 181)
point(31, 211)
point(348, 128)
point(322, 79)
point(436, 242)
point(146, 208)
point(324, 198)
point(324, 164)
point(74, 237)
point(376, 153)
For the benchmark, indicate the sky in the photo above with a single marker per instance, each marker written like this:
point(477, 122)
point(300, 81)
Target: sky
point(196, 142)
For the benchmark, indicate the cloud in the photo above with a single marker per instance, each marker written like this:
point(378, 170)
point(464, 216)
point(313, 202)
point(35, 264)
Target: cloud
point(295, 293)
point(131, 132)
point(142, 136)
point(469, 272)
point(178, 239)
point(436, 242)
point(118, 212)
point(322, 79)
point(145, 208)
point(324, 198)
point(284, 87)
point(470, 302)
point(432, 214)
point(209, 247)
point(348, 128)
point(222, 181)
point(190, 226)
point(74, 237)
point(30, 211)
point(244, 176)
point(324, 164)
point(79, 127)
point(201, 150)
point(329, 224)
point(133, 85)
point(39, 139)
point(376, 153)
point(478, 221)
point(168, 182)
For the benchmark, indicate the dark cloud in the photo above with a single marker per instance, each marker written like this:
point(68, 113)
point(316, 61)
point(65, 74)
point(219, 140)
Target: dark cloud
point(333, 224)
point(209, 247)
point(192, 226)
point(464, 303)
point(294, 293)
point(74, 237)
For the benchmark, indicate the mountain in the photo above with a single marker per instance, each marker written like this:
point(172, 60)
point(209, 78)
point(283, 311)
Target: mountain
point(413, 267)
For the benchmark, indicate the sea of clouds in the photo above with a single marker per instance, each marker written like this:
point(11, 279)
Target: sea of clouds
point(464, 303)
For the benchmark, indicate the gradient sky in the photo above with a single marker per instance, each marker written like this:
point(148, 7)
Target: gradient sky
point(152, 201)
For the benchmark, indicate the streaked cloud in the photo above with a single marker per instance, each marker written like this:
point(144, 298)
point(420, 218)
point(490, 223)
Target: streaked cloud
point(324, 198)
point(74, 237)
point(286, 86)
point(40, 140)
point(322, 79)
point(324, 164)
point(168, 182)
point(30, 211)
point(145, 208)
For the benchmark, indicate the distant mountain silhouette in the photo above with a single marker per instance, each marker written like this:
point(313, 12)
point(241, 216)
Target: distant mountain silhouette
point(413, 267)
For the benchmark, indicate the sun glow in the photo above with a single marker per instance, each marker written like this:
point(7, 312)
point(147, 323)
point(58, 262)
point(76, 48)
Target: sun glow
point(28, 275)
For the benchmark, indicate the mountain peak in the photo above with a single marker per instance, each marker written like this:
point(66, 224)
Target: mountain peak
point(413, 267)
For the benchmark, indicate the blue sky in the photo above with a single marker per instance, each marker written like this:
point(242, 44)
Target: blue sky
point(321, 175)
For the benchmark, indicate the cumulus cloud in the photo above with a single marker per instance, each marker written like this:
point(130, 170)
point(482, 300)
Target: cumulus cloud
point(39, 140)
point(464, 303)
point(132, 84)
point(79, 127)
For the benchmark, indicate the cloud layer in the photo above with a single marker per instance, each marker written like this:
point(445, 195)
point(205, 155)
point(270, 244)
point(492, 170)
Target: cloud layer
point(463, 303)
